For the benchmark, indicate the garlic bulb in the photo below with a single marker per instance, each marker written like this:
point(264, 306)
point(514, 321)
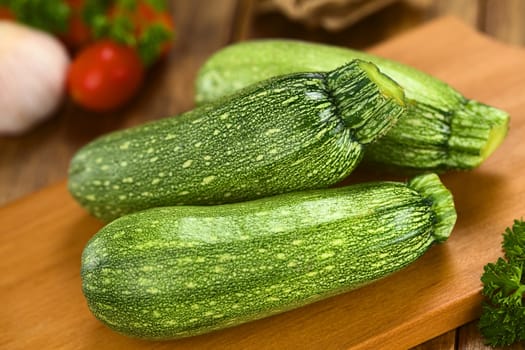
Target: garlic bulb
point(33, 68)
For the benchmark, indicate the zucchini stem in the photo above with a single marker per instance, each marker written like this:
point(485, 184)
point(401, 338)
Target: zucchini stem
point(368, 101)
point(388, 87)
point(431, 188)
point(476, 130)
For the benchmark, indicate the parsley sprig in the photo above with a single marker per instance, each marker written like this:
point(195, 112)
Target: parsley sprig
point(502, 320)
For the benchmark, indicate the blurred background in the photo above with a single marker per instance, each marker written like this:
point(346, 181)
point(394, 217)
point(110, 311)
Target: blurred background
point(362, 23)
point(40, 137)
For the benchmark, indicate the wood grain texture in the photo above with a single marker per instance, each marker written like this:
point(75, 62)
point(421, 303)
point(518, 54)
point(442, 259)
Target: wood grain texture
point(467, 10)
point(467, 339)
point(446, 341)
point(504, 20)
point(43, 236)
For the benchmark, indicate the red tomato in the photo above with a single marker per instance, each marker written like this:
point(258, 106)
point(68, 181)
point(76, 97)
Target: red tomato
point(105, 75)
point(78, 33)
point(6, 13)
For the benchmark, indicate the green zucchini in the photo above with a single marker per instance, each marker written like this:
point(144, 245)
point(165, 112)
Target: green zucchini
point(299, 131)
point(441, 129)
point(173, 272)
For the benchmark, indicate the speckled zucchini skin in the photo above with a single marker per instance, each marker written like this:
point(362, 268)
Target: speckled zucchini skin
point(294, 132)
point(174, 272)
point(441, 129)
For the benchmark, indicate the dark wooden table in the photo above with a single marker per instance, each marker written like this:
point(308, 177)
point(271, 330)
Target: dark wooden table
point(40, 157)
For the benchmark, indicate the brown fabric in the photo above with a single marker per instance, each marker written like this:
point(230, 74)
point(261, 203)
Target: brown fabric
point(332, 15)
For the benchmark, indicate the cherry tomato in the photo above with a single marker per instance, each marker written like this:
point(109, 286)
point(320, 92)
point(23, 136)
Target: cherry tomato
point(78, 33)
point(105, 75)
point(5, 13)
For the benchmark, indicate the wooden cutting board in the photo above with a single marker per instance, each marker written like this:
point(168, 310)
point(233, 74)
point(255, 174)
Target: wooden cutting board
point(43, 236)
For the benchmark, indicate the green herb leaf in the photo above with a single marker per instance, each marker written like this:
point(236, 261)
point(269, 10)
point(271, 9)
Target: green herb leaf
point(503, 283)
point(119, 26)
point(95, 10)
point(514, 242)
point(151, 42)
point(502, 320)
point(49, 15)
point(159, 5)
point(502, 326)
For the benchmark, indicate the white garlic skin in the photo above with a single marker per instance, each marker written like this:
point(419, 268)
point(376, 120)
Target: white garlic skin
point(33, 70)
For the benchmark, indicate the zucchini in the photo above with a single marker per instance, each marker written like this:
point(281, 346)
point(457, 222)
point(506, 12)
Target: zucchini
point(299, 131)
point(174, 272)
point(441, 130)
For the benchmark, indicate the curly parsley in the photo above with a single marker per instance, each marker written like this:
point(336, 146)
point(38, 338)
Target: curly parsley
point(502, 320)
